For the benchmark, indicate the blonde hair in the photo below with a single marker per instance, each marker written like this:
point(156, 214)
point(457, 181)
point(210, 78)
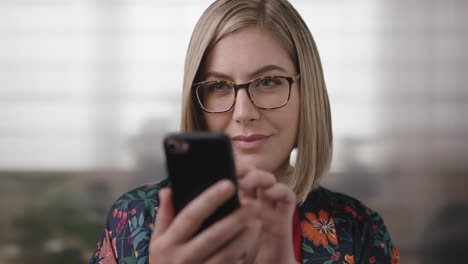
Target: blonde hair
point(279, 18)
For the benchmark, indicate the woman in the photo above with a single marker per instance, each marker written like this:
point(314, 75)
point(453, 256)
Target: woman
point(253, 72)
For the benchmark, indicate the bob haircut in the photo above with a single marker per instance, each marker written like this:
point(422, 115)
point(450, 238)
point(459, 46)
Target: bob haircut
point(279, 18)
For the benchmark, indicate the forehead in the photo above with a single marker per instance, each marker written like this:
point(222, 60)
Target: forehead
point(246, 50)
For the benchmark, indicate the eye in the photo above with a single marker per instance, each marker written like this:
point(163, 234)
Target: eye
point(268, 82)
point(218, 87)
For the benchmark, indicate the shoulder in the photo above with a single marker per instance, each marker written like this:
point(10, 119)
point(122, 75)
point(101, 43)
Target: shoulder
point(129, 226)
point(347, 213)
point(145, 192)
point(339, 205)
point(352, 228)
point(141, 202)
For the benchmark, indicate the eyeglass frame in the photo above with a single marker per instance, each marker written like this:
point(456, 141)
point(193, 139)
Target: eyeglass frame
point(246, 85)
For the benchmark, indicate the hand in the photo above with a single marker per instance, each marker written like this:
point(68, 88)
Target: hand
point(229, 240)
point(277, 202)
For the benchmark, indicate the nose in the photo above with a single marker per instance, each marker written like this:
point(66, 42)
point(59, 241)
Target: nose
point(244, 110)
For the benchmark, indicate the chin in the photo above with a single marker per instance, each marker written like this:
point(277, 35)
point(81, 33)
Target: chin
point(255, 161)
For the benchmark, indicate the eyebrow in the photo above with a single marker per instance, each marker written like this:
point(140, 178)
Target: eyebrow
point(266, 68)
point(263, 69)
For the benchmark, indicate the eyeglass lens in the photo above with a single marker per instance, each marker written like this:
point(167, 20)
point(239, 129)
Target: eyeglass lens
point(268, 92)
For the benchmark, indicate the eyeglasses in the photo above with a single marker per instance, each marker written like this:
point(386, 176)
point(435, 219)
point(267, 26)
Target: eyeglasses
point(268, 92)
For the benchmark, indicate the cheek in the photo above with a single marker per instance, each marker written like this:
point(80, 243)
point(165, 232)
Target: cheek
point(216, 122)
point(290, 119)
point(295, 108)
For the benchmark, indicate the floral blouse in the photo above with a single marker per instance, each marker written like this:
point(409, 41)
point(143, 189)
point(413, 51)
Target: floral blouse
point(336, 229)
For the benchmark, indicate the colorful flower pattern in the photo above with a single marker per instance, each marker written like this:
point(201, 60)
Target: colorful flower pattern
point(336, 229)
point(319, 229)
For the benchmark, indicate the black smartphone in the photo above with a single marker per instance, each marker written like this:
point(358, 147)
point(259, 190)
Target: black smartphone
point(195, 161)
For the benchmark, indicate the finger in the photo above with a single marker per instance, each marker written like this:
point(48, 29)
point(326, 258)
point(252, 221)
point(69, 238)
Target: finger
point(255, 179)
point(192, 216)
point(277, 214)
point(250, 187)
point(246, 196)
point(280, 193)
point(219, 234)
point(266, 202)
point(243, 169)
point(255, 241)
point(240, 248)
point(165, 213)
point(283, 199)
point(255, 206)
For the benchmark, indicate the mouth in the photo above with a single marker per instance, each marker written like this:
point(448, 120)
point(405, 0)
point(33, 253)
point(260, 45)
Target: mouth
point(250, 142)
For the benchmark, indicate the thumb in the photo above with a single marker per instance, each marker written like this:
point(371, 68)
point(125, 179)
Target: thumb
point(283, 198)
point(165, 213)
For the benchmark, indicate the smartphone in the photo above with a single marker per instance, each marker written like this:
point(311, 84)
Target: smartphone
point(195, 161)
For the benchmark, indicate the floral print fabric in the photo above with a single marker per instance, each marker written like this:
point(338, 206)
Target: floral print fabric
point(336, 229)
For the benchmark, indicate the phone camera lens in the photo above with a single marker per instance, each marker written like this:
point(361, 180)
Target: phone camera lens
point(177, 146)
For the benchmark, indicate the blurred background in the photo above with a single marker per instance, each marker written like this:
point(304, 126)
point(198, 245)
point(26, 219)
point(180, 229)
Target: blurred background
point(89, 87)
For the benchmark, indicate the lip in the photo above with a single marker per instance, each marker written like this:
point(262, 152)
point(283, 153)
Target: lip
point(250, 142)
